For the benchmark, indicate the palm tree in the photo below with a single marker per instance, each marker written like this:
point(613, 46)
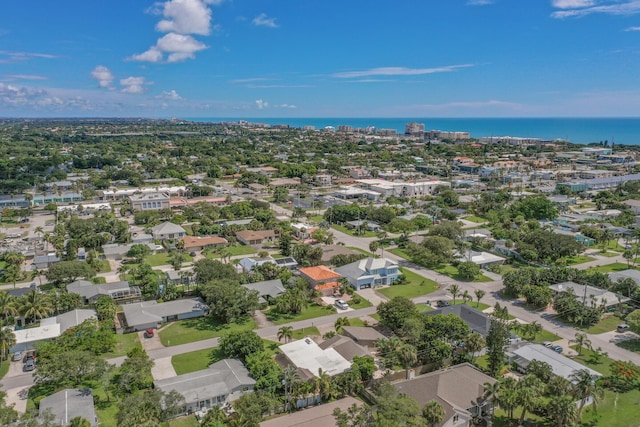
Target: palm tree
point(285, 332)
point(35, 305)
point(79, 422)
point(340, 323)
point(455, 291)
point(508, 396)
point(479, 294)
point(433, 413)
point(474, 343)
point(530, 389)
point(584, 388)
point(407, 355)
point(7, 340)
point(491, 393)
point(581, 341)
point(8, 305)
point(373, 247)
point(466, 296)
point(562, 410)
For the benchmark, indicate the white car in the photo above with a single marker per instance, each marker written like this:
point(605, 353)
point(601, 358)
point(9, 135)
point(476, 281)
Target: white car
point(342, 305)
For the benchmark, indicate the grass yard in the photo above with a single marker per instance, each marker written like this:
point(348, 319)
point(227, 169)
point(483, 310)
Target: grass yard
point(399, 252)
point(476, 219)
point(298, 334)
point(478, 306)
point(615, 410)
point(356, 321)
point(578, 259)
point(233, 250)
point(202, 328)
point(610, 268)
point(606, 324)
point(631, 345)
point(364, 303)
point(545, 335)
point(104, 266)
point(362, 251)
point(316, 219)
point(311, 312)
point(414, 286)
point(186, 421)
point(423, 307)
point(124, 344)
point(612, 245)
point(587, 358)
point(163, 259)
point(609, 254)
point(201, 359)
point(4, 368)
point(98, 280)
point(452, 271)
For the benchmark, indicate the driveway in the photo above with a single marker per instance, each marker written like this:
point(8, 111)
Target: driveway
point(372, 296)
point(16, 384)
point(162, 369)
point(152, 343)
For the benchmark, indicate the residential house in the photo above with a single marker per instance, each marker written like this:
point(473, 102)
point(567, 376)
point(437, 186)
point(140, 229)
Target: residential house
point(310, 358)
point(167, 230)
point(317, 416)
point(150, 201)
point(330, 251)
point(587, 241)
point(370, 272)
point(117, 251)
point(249, 263)
point(365, 336)
point(523, 353)
point(482, 259)
point(321, 278)
point(302, 231)
point(184, 277)
point(267, 290)
point(220, 384)
point(150, 314)
point(458, 389)
point(360, 224)
point(68, 404)
point(345, 346)
point(590, 294)
point(199, 243)
point(51, 327)
point(45, 261)
point(90, 292)
point(631, 273)
point(252, 238)
point(478, 321)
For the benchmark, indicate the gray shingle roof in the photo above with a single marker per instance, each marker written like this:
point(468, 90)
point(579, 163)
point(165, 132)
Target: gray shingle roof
point(73, 318)
point(146, 312)
point(270, 288)
point(68, 404)
point(167, 228)
point(477, 320)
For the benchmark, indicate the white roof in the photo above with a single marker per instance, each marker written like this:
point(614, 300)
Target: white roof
point(560, 365)
point(481, 258)
point(44, 332)
point(584, 293)
point(305, 353)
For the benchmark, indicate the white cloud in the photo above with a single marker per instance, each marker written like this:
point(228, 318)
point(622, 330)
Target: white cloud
point(399, 71)
point(133, 85)
point(103, 76)
point(179, 47)
point(288, 106)
point(251, 80)
point(171, 95)
point(263, 20)
point(181, 18)
point(185, 17)
point(261, 104)
point(572, 4)
point(8, 56)
point(25, 77)
point(632, 29)
point(24, 96)
point(580, 8)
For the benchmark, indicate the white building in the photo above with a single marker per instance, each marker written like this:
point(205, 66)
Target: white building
point(402, 189)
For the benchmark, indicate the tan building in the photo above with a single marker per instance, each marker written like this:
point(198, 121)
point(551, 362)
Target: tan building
point(198, 243)
point(149, 202)
point(250, 237)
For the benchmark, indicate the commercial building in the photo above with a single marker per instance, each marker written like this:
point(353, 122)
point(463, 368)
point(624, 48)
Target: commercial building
point(149, 201)
point(402, 189)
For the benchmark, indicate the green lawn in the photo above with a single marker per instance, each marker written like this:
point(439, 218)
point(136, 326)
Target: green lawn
point(612, 245)
point(353, 232)
point(316, 219)
point(587, 358)
point(187, 421)
point(615, 410)
point(202, 328)
point(545, 335)
point(362, 251)
point(104, 266)
point(364, 303)
point(4, 367)
point(356, 321)
point(399, 252)
point(423, 307)
point(201, 359)
point(452, 271)
point(99, 280)
point(606, 324)
point(301, 333)
point(311, 312)
point(609, 254)
point(163, 259)
point(478, 306)
point(610, 268)
point(476, 219)
point(414, 286)
point(631, 345)
point(124, 344)
point(578, 259)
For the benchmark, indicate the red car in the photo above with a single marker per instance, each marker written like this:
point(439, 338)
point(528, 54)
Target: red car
point(148, 333)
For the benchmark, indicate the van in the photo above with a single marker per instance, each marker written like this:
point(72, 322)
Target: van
point(623, 327)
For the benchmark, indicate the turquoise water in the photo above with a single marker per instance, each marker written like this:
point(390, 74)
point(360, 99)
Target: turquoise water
point(578, 130)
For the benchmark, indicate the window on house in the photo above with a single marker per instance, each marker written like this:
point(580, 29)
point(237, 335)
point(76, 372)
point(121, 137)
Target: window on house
point(455, 418)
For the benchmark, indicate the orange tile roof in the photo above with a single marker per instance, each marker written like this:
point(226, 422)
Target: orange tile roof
point(324, 286)
point(320, 272)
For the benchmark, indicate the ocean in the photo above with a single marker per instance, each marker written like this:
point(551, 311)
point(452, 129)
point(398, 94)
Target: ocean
point(577, 130)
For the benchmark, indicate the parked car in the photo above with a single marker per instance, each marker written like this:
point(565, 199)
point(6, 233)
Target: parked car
point(342, 305)
point(547, 344)
point(17, 356)
point(557, 348)
point(149, 333)
point(442, 303)
point(30, 365)
point(623, 327)
point(29, 355)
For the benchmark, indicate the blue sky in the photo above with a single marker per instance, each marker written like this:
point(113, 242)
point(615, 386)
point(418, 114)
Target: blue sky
point(294, 58)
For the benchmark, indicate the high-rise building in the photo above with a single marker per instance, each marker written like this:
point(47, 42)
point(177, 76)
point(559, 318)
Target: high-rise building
point(414, 128)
